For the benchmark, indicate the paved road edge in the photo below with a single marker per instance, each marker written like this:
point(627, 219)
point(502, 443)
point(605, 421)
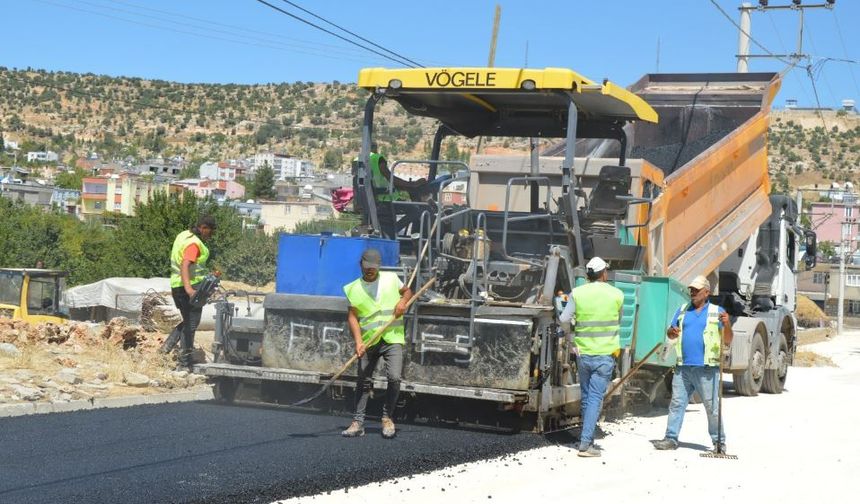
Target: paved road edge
point(21, 409)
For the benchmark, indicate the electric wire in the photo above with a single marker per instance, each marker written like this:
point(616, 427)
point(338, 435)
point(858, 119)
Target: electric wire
point(318, 27)
point(201, 35)
point(845, 52)
point(352, 33)
point(241, 29)
point(784, 50)
point(819, 69)
point(754, 41)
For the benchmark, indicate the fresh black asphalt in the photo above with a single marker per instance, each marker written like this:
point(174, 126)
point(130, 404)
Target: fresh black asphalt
point(212, 453)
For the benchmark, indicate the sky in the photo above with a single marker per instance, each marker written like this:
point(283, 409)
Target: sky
point(245, 41)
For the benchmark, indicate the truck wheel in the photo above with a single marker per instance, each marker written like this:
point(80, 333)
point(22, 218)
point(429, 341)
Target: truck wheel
point(774, 379)
point(748, 382)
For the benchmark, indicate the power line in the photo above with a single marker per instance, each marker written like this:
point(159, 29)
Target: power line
point(782, 45)
point(241, 29)
point(845, 52)
point(352, 33)
point(754, 41)
point(318, 27)
point(270, 45)
point(820, 69)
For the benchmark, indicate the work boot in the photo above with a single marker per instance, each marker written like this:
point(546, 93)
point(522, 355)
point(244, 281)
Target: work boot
point(355, 429)
point(388, 430)
point(719, 448)
point(666, 444)
point(591, 451)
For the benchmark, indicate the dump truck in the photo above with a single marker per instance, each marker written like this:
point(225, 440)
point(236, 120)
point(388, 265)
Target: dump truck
point(665, 181)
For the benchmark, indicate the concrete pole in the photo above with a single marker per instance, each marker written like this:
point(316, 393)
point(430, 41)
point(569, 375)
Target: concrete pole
point(743, 38)
point(840, 309)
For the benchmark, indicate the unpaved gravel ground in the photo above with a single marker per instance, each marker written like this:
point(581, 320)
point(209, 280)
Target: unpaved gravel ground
point(800, 446)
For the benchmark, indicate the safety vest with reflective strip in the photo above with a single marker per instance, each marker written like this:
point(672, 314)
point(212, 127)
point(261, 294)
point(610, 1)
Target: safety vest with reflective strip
point(196, 271)
point(380, 183)
point(711, 336)
point(373, 314)
point(598, 311)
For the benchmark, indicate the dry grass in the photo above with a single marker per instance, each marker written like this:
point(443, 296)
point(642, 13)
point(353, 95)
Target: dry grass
point(806, 358)
point(810, 336)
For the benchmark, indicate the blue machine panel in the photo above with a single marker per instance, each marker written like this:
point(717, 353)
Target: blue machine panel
point(322, 264)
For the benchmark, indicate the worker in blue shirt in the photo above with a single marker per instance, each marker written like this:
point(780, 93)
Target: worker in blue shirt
point(697, 331)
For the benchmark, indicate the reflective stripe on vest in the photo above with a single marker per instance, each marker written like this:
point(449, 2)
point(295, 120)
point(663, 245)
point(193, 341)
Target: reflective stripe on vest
point(372, 314)
point(196, 271)
point(380, 183)
point(711, 336)
point(598, 310)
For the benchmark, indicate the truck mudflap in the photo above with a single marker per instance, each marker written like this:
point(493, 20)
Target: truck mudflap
point(309, 333)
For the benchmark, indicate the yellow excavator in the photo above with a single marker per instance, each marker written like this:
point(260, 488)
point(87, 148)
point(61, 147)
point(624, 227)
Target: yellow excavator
point(33, 295)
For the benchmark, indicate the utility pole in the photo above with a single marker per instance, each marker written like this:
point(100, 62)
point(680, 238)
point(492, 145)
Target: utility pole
point(491, 61)
point(745, 34)
point(844, 248)
point(744, 38)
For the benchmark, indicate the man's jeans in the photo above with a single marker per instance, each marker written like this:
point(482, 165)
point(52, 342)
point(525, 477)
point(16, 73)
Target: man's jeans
point(704, 380)
point(595, 372)
point(393, 357)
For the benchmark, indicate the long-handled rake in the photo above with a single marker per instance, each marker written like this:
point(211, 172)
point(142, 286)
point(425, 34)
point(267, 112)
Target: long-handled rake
point(374, 340)
point(720, 447)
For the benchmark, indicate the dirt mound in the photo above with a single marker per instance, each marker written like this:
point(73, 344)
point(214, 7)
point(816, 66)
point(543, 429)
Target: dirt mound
point(809, 314)
point(18, 331)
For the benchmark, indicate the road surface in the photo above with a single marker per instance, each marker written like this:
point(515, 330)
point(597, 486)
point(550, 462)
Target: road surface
point(207, 452)
point(800, 446)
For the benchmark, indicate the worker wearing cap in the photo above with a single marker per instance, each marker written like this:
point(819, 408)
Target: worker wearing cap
point(594, 309)
point(374, 300)
point(696, 330)
point(188, 259)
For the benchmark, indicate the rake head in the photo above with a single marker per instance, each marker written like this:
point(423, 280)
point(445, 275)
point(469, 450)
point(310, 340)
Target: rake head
point(718, 455)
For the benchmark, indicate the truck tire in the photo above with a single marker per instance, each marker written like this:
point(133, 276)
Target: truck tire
point(774, 379)
point(748, 382)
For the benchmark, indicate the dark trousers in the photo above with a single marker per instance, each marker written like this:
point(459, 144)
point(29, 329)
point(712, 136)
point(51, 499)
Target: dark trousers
point(184, 332)
point(392, 355)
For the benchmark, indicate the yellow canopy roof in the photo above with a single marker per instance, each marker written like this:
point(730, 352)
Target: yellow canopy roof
point(506, 101)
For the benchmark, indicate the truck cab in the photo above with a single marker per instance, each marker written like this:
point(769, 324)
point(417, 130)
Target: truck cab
point(33, 295)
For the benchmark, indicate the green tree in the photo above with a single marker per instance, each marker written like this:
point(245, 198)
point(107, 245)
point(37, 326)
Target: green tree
point(70, 179)
point(264, 183)
point(333, 159)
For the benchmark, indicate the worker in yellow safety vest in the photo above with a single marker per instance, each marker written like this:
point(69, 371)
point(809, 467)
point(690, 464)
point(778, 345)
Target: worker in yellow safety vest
point(594, 309)
point(188, 258)
point(374, 300)
point(697, 329)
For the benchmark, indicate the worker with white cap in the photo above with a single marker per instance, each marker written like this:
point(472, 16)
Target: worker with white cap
point(697, 328)
point(594, 309)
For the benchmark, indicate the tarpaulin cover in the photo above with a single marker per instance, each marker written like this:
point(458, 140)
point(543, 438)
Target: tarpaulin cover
point(125, 294)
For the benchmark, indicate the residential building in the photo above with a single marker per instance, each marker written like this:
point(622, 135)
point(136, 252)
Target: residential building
point(285, 167)
point(284, 216)
point(835, 221)
point(222, 170)
point(821, 285)
point(27, 192)
point(218, 189)
point(9, 144)
point(455, 193)
point(117, 193)
point(69, 200)
point(45, 157)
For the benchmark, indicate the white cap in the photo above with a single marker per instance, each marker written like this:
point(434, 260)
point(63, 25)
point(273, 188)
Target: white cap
point(700, 282)
point(596, 265)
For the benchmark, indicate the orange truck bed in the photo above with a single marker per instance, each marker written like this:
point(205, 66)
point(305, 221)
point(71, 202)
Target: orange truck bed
point(711, 142)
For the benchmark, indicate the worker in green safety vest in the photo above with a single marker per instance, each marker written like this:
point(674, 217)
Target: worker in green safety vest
point(379, 178)
point(595, 311)
point(375, 299)
point(188, 267)
point(696, 330)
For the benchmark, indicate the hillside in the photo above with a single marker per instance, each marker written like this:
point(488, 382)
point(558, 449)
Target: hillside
point(75, 114)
